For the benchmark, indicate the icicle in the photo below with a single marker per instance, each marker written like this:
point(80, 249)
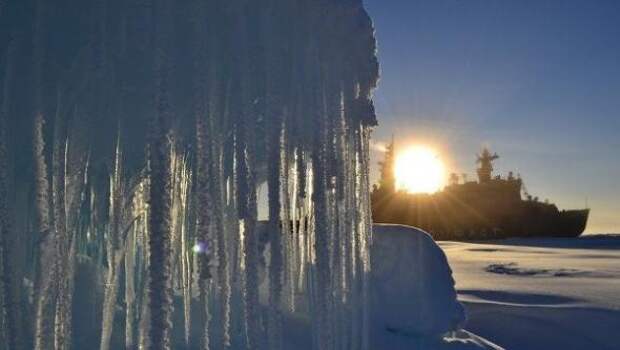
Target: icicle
point(206, 345)
point(109, 304)
point(204, 211)
point(68, 285)
point(288, 225)
point(114, 240)
point(175, 240)
point(46, 275)
point(275, 237)
point(41, 181)
point(142, 297)
point(130, 292)
point(186, 283)
point(321, 232)
point(60, 228)
point(221, 231)
point(251, 260)
point(145, 314)
point(367, 236)
point(247, 81)
point(9, 331)
point(159, 282)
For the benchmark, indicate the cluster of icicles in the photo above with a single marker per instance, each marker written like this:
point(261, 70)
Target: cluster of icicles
point(282, 101)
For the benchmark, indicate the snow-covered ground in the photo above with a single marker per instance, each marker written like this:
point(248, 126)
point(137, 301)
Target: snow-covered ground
point(540, 293)
point(523, 294)
point(413, 301)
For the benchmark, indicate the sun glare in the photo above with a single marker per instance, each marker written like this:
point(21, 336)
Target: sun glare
point(419, 170)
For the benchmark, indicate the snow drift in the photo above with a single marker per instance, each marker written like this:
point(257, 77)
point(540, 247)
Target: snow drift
point(411, 285)
point(413, 301)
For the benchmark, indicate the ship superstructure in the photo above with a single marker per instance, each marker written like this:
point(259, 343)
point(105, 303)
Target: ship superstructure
point(491, 207)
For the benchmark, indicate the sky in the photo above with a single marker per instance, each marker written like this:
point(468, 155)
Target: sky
point(537, 81)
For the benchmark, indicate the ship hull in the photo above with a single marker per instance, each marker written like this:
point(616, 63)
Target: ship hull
point(572, 223)
point(452, 217)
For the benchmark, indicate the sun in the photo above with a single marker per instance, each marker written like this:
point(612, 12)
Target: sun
point(419, 170)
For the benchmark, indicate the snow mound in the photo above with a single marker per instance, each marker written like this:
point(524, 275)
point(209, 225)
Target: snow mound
point(412, 290)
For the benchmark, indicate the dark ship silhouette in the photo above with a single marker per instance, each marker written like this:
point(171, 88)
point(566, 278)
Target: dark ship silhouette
point(490, 208)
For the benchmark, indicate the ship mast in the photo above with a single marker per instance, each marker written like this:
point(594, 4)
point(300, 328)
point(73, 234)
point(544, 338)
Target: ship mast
point(387, 182)
point(486, 165)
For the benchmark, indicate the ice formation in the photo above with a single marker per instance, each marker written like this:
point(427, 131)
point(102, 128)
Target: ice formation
point(223, 96)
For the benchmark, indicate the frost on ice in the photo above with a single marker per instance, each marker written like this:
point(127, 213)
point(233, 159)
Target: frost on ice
point(153, 125)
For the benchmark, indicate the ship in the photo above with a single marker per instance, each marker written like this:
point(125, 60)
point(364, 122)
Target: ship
point(493, 207)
